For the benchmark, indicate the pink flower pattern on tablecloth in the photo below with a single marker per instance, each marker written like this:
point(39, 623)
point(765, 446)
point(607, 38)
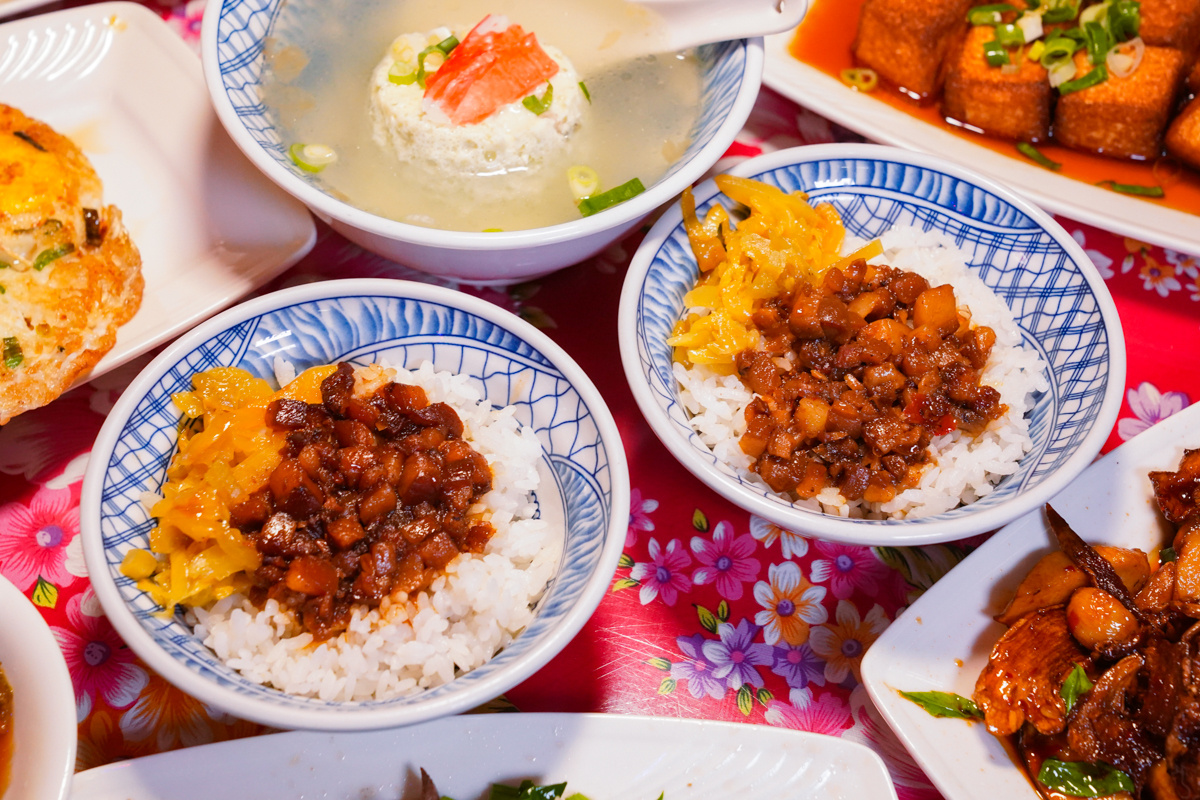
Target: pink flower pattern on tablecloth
point(100, 663)
point(847, 569)
point(640, 510)
point(664, 575)
point(725, 560)
point(1149, 405)
point(40, 541)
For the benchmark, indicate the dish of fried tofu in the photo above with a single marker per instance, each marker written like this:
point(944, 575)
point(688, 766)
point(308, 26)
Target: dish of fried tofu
point(937, 52)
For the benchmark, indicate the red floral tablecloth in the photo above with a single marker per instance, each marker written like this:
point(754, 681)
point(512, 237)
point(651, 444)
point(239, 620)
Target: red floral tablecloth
point(713, 613)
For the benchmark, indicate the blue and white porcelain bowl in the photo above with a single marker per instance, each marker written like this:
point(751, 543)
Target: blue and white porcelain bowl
point(1056, 295)
point(404, 323)
point(232, 46)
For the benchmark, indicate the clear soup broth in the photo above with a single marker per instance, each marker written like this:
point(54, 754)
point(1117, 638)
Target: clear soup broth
point(317, 88)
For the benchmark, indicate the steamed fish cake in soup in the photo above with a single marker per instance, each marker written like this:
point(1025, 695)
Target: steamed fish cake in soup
point(476, 116)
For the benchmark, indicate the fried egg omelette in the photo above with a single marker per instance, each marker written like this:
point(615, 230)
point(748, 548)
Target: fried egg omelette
point(69, 274)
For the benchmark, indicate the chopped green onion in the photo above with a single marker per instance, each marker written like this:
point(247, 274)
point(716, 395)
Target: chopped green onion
point(586, 94)
point(1010, 35)
point(1098, 42)
point(989, 14)
point(860, 79)
point(583, 181)
point(438, 53)
point(1098, 75)
point(1124, 19)
point(1059, 48)
point(619, 194)
point(312, 157)
point(1036, 50)
point(1035, 155)
point(1093, 13)
point(13, 355)
point(48, 257)
point(1133, 188)
point(1060, 11)
point(995, 53)
point(538, 105)
point(1081, 779)
point(1166, 555)
point(402, 74)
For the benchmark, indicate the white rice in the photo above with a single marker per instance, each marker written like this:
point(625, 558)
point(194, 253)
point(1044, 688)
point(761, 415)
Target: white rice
point(411, 644)
point(963, 468)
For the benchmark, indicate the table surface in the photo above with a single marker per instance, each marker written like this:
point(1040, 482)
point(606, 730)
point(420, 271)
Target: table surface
point(652, 646)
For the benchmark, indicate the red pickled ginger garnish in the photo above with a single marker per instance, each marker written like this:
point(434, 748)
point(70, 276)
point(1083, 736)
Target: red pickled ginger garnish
point(494, 65)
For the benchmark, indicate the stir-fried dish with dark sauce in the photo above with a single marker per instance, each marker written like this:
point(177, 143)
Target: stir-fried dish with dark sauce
point(373, 496)
point(855, 377)
point(1096, 682)
point(6, 731)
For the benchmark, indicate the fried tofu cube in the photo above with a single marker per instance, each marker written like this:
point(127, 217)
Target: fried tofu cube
point(1122, 117)
point(1171, 23)
point(1014, 105)
point(905, 41)
point(1183, 137)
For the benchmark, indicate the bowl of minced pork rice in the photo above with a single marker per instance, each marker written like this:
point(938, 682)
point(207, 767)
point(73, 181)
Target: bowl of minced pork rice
point(355, 504)
point(871, 346)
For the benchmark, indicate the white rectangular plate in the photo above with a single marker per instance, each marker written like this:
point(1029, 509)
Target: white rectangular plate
point(1142, 219)
point(130, 93)
point(944, 639)
point(601, 755)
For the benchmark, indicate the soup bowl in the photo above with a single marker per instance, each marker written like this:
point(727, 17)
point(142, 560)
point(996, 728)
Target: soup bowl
point(233, 36)
point(1058, 299)
point(583, 494)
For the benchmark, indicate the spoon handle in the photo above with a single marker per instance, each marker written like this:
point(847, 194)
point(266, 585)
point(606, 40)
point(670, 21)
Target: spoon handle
point(691, 23)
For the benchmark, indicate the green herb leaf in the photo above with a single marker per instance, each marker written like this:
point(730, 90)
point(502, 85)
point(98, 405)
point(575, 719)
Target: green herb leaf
point(699, 521)
point(945, 704)
point(1081, 779)
point(13, 355)
point(667, 686)
point(745, 699)
point(723, 611)
point(528, 790)
point(1035, 155)
point(1132, 188)
point(578, 796)
point(619, 194)
point(45, 594)
point(708, 620)
point(659, 663)
point(1167, 554)
point(539, 105)
point(47, 257)
point(1075, 686)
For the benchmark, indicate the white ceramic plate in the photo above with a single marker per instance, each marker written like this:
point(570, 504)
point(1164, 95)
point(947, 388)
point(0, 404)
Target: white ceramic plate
point(131, 94)
point(602, 755)
point(880, 122)
point(43, 701)
point(943, 640)
point(10, 7)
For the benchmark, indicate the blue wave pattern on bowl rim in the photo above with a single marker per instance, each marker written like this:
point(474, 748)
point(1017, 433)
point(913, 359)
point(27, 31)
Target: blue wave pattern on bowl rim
point(1011, 253)
point(506, 369)
point(243, 25)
